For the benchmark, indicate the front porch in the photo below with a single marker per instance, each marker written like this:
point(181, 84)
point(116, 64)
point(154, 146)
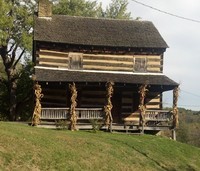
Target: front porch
point(155, 120)
point(117, 106)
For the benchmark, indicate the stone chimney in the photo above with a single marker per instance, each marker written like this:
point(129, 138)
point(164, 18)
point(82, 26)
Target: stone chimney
point(44, 8)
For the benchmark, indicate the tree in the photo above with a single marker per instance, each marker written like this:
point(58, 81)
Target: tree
point(77, 8)
point(16, 18)
point(2, 70)
point(25, 97)
point(117, 9)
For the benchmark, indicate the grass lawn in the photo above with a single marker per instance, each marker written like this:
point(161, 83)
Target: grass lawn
point(23, 147)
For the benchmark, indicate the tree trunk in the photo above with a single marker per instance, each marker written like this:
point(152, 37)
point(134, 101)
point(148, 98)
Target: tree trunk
point(11, 83)
point(12, 100)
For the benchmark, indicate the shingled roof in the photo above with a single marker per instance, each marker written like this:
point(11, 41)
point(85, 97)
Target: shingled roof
point(98, 32)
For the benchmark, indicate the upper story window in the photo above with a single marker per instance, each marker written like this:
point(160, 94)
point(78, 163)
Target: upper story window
point(140, 64)
point(75, 61)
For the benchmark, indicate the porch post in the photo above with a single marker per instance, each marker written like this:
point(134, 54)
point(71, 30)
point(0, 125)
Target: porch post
point(73, 116)
point(37, 109)
point(142, 90)
point(174, 134)
point(175, 109)
point(108, 107)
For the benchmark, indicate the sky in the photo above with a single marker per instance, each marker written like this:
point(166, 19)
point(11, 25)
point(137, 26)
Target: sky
point(182, 58)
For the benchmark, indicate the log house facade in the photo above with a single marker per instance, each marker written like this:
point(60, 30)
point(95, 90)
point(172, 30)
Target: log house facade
point(89, 54)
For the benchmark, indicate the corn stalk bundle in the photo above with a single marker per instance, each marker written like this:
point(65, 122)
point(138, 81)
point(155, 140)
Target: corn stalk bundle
point(175, 108)
point(73, 116)
point(38, 108)
point(142, 91)
point(108, 107)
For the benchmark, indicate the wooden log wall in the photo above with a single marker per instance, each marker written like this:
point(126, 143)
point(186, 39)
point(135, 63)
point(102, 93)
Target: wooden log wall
point(153, 101)
point(103, 62)
point(51, 58)
point(108, 62)
point(127, 102)
point(54, 97)
point(92, 98)
point(58, 96)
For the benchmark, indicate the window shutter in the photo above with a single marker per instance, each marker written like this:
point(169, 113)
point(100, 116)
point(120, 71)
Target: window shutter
point(75, 61)
point(140, 65)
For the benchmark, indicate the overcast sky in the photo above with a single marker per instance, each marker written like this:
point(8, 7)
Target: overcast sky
point(182, 58)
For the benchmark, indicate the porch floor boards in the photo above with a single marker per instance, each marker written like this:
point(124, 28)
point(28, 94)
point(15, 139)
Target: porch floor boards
point(115, 127)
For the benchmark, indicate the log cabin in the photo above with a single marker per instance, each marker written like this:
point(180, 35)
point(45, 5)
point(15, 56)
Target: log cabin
point(100, 69)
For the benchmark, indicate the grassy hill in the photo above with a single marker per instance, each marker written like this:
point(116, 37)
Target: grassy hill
point(28, 148)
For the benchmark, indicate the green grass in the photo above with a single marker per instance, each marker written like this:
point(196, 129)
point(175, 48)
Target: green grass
point(28, 148)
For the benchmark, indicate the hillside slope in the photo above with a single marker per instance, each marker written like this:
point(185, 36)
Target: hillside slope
point(28, 148)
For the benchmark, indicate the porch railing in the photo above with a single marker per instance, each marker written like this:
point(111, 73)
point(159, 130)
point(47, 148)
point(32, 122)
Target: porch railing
point(89, 113)
point(97, 113)
point(63, 113)
point(54, 113)
point(158, 115)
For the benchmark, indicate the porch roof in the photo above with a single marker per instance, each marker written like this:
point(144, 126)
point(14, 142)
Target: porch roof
point(57, 75)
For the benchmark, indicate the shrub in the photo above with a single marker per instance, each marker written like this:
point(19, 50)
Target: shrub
point(62, 124)
point(96, 124)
